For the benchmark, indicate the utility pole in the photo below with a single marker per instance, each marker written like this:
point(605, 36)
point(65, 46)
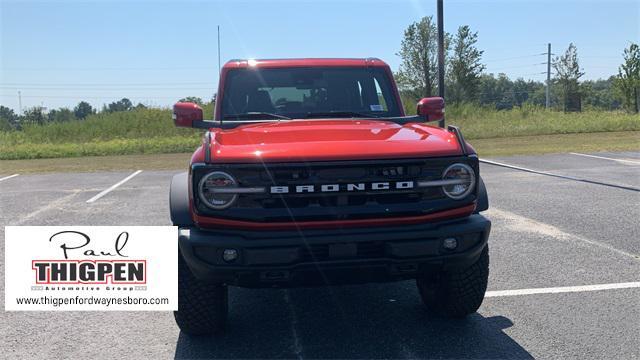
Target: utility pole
point(440, 55)
point(20, 101)
point(548, 89)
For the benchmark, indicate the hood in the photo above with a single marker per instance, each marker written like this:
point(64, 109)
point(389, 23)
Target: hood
point(326, 140)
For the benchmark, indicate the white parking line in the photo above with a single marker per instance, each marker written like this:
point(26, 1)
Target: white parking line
point(520, 224)
point(57, 204)
point(566, 177)
point(9, 177)
point(565, 289)
point(105, 192)
point(607, 158)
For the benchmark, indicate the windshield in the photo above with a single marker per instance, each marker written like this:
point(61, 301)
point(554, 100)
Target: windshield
point(307, 93)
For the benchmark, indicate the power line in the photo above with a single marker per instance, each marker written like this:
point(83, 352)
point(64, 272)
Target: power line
point(108, 68)
point(106, 89)
point(504, 95)
point(109, 84)
point(512, 58)
point(600, 57)
point(88, 97)
point(516, 67)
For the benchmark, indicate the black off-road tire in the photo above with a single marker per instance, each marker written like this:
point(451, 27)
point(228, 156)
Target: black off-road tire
point(457, 293)
point(202, 307)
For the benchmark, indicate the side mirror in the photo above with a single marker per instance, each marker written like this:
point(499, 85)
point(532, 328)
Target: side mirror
point(431, 108)
point(186, 114)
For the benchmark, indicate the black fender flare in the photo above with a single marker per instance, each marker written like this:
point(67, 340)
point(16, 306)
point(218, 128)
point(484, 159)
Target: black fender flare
point(179, 200)
point(483, 199)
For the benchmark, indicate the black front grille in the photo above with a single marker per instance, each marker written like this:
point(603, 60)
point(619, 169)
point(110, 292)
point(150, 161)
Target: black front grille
point(339, 205)
point(296, 201)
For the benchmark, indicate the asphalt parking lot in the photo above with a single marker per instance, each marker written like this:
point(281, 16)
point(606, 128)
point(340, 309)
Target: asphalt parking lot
point(548, 233)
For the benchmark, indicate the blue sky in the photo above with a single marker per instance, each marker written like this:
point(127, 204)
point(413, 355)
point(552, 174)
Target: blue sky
point(58, 53)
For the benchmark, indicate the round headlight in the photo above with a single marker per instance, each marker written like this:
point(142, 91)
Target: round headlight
point(459, 181)
point(211, 190)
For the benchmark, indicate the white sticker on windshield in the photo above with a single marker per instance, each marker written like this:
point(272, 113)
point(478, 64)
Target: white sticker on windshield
point(376, 107)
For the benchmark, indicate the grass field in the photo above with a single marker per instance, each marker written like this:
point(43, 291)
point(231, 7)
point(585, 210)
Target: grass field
point(543, 144)
point(151, 131)
point(521, 145)
point(484, 123)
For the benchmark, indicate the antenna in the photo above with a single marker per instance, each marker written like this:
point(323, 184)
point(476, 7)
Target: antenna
point(219, 53)
point(219, 70)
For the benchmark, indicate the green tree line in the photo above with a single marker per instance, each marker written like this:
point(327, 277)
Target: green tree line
point(38, 115)
point(467, 82)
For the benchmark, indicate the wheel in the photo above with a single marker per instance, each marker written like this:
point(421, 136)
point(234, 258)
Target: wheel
point(202, 307)
point(457, 293)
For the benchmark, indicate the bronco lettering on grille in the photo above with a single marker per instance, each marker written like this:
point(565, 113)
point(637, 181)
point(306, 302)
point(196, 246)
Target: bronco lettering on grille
point(350, 187)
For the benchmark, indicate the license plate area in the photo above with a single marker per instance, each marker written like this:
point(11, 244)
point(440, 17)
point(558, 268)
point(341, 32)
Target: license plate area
point(337, 251)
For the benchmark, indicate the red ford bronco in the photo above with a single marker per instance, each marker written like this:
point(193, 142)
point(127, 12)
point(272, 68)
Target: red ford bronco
point(310, 174)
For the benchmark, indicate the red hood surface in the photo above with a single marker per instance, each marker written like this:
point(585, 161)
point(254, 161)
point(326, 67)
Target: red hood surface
point(325, 140)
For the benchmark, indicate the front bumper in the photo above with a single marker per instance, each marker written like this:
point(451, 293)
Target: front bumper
point(337, 256)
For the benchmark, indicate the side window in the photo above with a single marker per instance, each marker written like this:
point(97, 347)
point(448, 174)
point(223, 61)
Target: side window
point(381, 100)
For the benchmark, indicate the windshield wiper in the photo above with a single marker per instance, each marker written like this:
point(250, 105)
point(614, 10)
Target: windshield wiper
point(254, 115)
point(351, 114)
